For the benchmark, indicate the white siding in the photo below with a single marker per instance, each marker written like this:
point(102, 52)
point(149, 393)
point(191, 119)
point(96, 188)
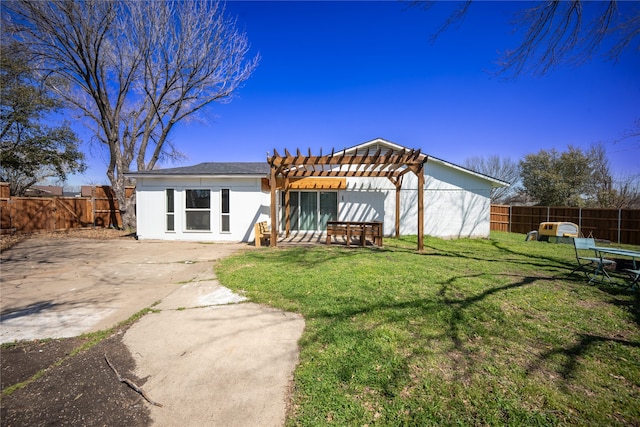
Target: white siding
point(369, 199)
point(456, 204)
point(248, 205)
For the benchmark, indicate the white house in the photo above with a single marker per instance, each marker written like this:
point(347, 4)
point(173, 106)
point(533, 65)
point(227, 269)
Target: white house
point(223, 201)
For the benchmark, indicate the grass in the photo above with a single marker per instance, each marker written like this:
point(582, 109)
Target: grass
point(469, 332)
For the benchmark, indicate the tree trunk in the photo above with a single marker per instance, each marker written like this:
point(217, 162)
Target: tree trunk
point(129, 214)
point(126, 205)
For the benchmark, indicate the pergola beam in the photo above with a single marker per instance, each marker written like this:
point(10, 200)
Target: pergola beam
point(405, 159)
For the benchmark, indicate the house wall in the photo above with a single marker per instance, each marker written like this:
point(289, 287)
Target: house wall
point(248, 205)
point(456, 204)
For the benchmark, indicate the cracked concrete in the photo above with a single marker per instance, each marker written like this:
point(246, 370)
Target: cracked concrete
point(209, 356)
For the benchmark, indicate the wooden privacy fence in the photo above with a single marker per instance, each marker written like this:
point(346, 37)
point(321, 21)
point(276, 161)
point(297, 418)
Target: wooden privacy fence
point(98, 207)
point(615, 225)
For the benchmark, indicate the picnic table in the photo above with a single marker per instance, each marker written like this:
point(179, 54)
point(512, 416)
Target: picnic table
point(361, 229)
point(634, 256)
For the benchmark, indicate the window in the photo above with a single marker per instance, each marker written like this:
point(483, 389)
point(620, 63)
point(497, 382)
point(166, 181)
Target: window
point(198, 209)
point(225, 220)
point(170, 210)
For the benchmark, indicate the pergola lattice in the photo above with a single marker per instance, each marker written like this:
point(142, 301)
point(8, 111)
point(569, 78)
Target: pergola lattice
point(389, 164)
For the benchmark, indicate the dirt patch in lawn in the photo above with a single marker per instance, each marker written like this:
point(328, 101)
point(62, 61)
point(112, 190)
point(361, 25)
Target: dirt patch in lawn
point(78, 389)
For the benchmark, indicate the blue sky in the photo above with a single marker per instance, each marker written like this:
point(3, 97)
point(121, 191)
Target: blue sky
point(335, 74)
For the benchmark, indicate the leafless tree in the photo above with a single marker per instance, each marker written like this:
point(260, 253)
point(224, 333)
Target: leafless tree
point(556, 33)
point(601, 191)
point(631, 135)
point(627, 193)
point(559, 32)
point(133, 69)
point(502, 168)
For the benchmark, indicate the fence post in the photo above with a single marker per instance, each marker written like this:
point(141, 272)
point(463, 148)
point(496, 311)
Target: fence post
point(93, 207)
point(580, 218)
point(11, 208)
point(548, 212)
point(510, 218)
point(619, 223)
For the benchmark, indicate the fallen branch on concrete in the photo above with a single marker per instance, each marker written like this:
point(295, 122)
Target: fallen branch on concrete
point(131, 384)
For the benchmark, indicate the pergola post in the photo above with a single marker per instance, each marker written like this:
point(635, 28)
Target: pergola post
point(398, 184)
point(420, 175)
point(287, 204)
point(274, 219)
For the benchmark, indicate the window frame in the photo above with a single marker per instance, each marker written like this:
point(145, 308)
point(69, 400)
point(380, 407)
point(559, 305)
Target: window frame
point(170, 211)
point(224, 214)
point(187, 210)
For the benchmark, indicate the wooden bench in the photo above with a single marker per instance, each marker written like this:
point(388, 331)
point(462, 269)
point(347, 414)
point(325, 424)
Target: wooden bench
point(350, 229)
point(262, 232)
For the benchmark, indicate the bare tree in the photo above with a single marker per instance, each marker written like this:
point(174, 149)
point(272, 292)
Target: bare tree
point(495, 166)
point(556, 33)
point(627, 193)
point(559, 32)
point(632, 134)
point(133, 69)
point(600, 190)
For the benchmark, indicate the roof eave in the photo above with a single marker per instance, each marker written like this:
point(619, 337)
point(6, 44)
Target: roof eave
point(494, 181)
point(183, 175)
point(383, 141)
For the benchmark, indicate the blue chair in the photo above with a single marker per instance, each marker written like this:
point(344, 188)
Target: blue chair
point(634, 276)
point(594, 265)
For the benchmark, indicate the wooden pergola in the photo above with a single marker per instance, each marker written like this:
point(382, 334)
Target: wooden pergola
point(390, 164)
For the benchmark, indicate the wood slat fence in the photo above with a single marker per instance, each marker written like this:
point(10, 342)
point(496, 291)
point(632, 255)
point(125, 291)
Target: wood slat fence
point(36, 214)
point(615, 225)
point(99, 208)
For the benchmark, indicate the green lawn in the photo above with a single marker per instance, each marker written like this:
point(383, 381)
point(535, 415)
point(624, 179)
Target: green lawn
point(469, 332)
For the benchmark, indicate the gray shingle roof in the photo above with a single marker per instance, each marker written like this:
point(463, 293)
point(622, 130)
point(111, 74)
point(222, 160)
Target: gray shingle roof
point(211, 168)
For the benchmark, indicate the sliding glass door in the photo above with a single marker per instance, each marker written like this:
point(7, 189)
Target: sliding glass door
point(310, 210)
point(328, 208)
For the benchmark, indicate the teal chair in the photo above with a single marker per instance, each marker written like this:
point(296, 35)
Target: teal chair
point(634, 276)
point(590, 262)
